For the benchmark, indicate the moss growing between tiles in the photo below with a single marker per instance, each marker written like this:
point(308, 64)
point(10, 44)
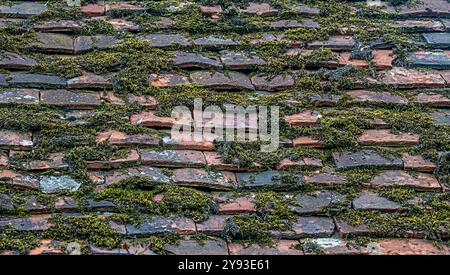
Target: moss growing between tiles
point(18, 241)
point(93, 229)
point(175, 200)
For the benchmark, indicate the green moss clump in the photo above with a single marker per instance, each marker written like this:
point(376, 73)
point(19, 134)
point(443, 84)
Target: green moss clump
point(400, 195)
point(65, 66)
point(94, 230)
point(189, 202)
point(433, 223)
point(247, 228)
point(97, 26)
point(21, 242)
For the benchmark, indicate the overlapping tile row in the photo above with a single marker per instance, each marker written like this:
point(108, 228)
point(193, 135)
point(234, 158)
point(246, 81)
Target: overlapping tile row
point(333, 193)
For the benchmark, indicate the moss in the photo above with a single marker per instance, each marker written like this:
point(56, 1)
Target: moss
point(430, 222)
point(156, 243)
point(312, 248)
point(65, 66)
point(94, 230)
point(97, 26)
point(400, 195)
point(21, 242)
point(14, 40)
point(248, 228)
point(189, 202)
point(187, 93)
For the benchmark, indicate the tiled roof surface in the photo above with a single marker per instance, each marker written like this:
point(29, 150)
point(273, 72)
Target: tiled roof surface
point(86, 155)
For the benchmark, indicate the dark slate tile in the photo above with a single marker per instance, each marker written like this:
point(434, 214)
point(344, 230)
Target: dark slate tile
point(33, 223)
point(348, 160)
point(372, 201)
point(13, 61)
point(223, 180)
point(214, 41)
point(19, 96)
point(222, 81)
point(241, 61)
point(69, 99)
point(3, 80)
point(334, 43)
point(316, 202)
point(437, 40)
point(194, 247)
point(152, 173)
point(434, 60)
point(161, 225)
point(441, 118)
point(29, 80)
point(22, 10)
point(68, 26)
point(6, 203)
point(53, 43)
point(194, 60)
point(173, 158)
point(166, 40)
point(308, 227)
point(262, 179)
point(88, 43)
point(305, 10)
